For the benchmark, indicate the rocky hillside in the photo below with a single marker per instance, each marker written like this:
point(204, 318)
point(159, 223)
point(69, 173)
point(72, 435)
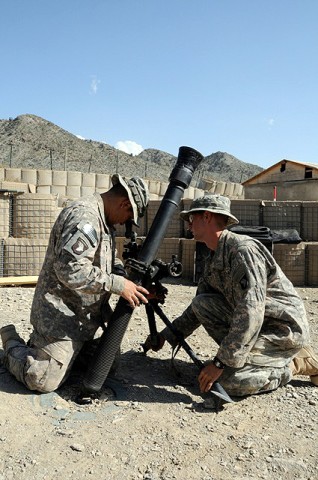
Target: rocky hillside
point(32, 142)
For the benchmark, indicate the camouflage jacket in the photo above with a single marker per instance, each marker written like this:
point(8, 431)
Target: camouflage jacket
point(263, 302)
point(76, 279)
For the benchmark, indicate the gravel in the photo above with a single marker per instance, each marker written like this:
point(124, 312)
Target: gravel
point(156, 427)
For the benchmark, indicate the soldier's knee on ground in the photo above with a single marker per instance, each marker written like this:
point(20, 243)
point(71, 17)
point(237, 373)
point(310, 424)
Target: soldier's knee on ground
point(43, 373)
point(254, 379)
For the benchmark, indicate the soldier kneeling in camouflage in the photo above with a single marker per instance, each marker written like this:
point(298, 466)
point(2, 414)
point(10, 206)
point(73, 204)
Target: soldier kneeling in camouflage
point(79, 274)
point(247, 305)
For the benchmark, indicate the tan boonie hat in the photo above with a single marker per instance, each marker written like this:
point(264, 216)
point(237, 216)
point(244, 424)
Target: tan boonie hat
point(211, 203)
point(138, 195)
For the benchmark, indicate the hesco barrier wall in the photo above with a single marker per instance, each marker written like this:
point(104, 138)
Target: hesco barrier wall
point(23, 256)
point(26, 219)
point(74, 184)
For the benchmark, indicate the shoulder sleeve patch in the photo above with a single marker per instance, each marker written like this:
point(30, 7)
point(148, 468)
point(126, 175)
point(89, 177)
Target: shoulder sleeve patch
point(90, 233)
point(77, 245)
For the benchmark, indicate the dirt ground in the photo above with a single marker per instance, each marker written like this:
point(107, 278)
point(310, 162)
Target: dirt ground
point(157, 427)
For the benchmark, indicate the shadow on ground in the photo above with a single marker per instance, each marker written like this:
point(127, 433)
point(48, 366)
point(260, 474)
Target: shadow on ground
point(139, 379)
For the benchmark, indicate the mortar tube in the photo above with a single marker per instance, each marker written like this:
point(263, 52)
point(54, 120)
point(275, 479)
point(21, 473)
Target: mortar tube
point(180, 178)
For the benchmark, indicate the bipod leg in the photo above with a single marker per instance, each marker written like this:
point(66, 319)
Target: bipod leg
point(216, 389)
point(154, 337)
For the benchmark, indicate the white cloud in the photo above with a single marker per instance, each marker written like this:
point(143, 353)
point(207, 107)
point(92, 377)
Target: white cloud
point(270, 122)
point(80, 137)
point(94, 85)
point(128, 146)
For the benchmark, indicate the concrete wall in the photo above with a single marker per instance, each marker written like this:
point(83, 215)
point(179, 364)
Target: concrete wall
point(303, 190)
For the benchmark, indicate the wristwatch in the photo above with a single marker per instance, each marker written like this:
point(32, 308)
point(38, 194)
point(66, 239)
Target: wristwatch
point(218, 363)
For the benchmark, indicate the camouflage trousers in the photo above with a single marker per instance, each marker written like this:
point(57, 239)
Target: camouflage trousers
point(267, 366)
point(44, 364)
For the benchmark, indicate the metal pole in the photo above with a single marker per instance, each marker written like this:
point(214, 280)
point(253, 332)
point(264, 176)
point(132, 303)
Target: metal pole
point(65, 159)
point(10, 157)
point(51, 158)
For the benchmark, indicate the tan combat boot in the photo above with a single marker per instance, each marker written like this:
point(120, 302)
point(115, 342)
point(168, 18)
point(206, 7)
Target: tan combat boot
point(10, 337)
point(306, 363)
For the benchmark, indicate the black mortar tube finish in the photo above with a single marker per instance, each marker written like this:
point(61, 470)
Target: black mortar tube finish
point(180, 178)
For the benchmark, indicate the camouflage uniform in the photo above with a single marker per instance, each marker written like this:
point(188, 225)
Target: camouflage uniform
point(71, 296)
point(252, 311)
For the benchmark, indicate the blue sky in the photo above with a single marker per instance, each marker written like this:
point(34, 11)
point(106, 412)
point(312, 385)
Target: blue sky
point(239, 76)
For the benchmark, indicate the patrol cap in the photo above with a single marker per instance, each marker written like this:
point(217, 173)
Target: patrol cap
point(138, 195)
point(211, 203)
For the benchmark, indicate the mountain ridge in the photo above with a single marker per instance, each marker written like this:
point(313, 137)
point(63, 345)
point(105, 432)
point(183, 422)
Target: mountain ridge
point(30, 141)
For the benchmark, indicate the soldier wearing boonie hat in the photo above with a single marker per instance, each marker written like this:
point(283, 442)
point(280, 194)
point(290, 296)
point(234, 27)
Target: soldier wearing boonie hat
point(211, 203)
point(247, 305)
point(137, 192)
point(78, 276)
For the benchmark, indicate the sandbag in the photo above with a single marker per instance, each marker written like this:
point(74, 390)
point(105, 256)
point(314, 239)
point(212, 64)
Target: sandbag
point(286, 236)
point(263, 234)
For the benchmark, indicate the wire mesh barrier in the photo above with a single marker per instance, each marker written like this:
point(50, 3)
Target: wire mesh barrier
point(25, 224)
point(23, 256)
point(26, 220)
point(34, 215)
point(249, 212)
point(311, 262)
point(309, 221)
point(1, 257)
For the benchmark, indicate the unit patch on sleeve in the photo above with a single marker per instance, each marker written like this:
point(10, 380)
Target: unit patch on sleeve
point(79, 246)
